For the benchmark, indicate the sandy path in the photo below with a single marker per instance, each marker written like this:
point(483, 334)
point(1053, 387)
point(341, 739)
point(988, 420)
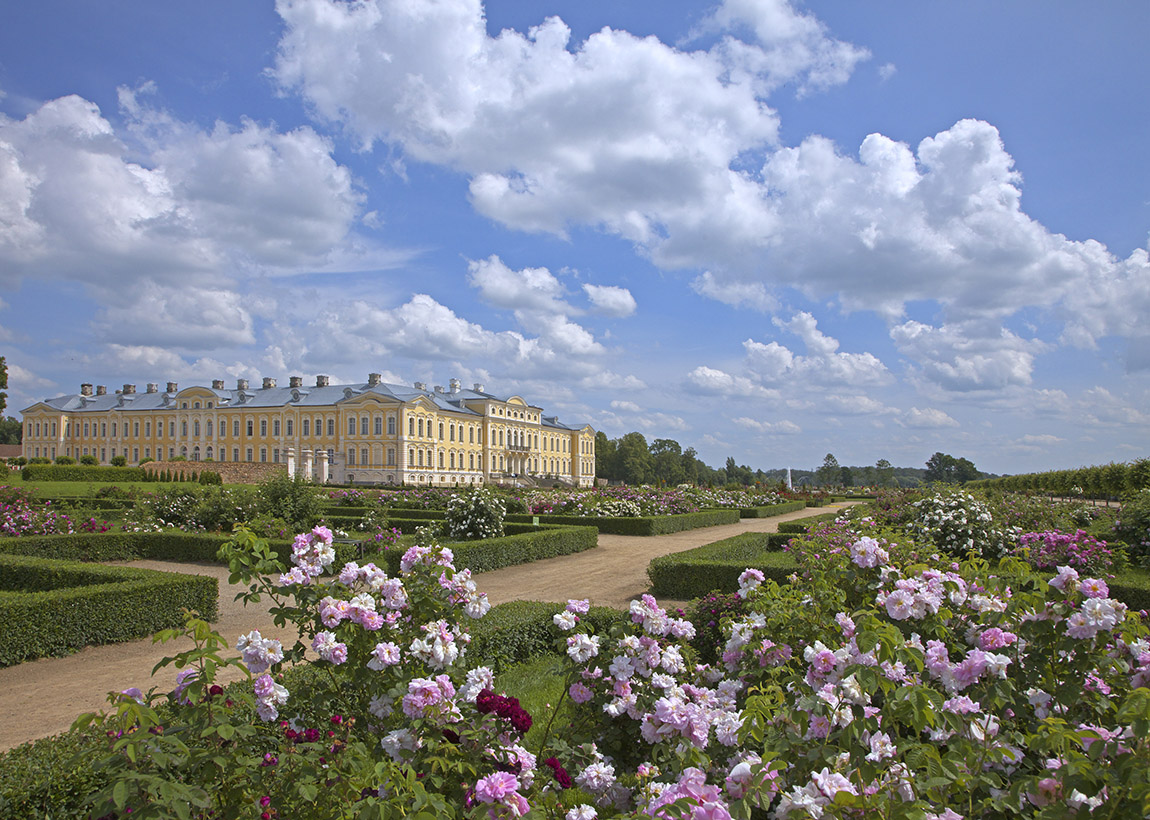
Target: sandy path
point(41, 698)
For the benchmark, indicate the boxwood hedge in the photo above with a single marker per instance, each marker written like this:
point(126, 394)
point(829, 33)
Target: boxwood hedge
point(520, 630)
point(52, 607)
point(693, 573)
point(645, 525)
point(510, 550)
point(772, 510)
point(82, 472)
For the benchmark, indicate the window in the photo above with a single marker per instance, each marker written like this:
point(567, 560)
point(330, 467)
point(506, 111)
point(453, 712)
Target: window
point(236, 431)
point(363, 426)
point(390, 456)
point(451, 432)
point(147, 430)
point(331, 426)
point(276, 455)
point(452, 461)
point(275, 427)
point(249, 454)
point(171, 453)
point(441, 461)
point(379, 425)
point(86, 431)
point(441, 431)
point(196, 454)
point(263, 454)
point(421, 428)
point(289, 427)
point(471, 461)
point(147, 452)
point(103, 453)
point(391, 425)
point(114, 429)
point(421, 458)
point(196, 427)
point(471, 435)
point(184, 428)
point(54, 429)
point(209, 452)
point(209, 426)
point(318, 426)
point(306, 425)
point(235, 454)
point(351, 456)
point(363, 457)
point(135, 454)
point(263, 428)
point(171, 429)
point(251, 431)
point(210, 405)
point(351, 427)
point(411, 458)
point(410, 426)
point(196, 406)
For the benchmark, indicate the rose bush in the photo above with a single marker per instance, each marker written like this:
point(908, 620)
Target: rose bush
point(885, 681)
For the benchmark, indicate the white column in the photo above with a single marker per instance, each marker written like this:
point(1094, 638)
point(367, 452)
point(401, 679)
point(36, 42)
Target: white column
point(323, 466)
point(307, 465)
point(291, 462)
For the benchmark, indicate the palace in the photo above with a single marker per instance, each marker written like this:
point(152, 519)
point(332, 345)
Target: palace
point(369, 433)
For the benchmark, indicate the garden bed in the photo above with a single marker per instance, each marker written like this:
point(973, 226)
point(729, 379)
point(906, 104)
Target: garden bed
point(52, 607)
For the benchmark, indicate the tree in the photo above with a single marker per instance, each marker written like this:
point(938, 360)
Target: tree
point(940, 467)
point(605, 451)
point(668, 462)
point(11, 431)
point(830, 473)
point(846, 477)
point(635, 464)
point(885, 472)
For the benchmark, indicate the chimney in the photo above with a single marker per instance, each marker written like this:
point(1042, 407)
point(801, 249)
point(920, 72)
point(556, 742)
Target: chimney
point(477, 387)
point(173, 387)
point(241, 384)
point(456, 384)
point(439, 388)
point(374, 379)
point(322, 381)
point(269, 383)
point(85, 389)
point(295, 381)
point(420, 386)
point(129, 389)
point(217, 384)
point(101, 390)
point(153, 387)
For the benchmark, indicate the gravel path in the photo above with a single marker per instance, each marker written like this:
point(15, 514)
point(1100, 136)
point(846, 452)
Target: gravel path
point(41, 698)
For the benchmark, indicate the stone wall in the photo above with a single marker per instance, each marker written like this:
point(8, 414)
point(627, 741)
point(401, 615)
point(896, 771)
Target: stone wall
point(231, 472)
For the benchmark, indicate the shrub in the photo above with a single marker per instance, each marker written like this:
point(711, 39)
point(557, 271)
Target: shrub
point(80, 472)
point(1133, 526)
point(65, 460)
point(119, 461)
point(477, 513)
point(717, 566)
point(292, 499)
point(959, 523)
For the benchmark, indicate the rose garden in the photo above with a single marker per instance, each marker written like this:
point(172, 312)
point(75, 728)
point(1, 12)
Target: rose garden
point(934, 653)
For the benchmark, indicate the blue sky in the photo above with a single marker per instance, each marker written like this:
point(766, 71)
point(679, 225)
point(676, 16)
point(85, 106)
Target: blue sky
point(767, 230)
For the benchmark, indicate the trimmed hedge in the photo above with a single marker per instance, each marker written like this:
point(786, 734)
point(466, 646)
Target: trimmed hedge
point(510, 550)
point(357, 512)
point(804, 524)
point(694, 573)
point(81, 472)
point(772, 510)
point(70, 605)
point(646, 525)
point(520, 630)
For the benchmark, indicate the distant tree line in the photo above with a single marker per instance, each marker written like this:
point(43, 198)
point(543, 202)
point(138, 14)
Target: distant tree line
point(630, 459)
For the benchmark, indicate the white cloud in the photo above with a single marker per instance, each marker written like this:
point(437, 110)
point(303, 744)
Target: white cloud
point(163, 199)
point(609, 380)
point(718, 382)
point(610, 300)
point(886, 71)
point(968, 356)
point(823, 364)
point(794, 46)
point(928, 418)
point(752, 295)
point(756, 425)
point(528, 289)
point(628, 406)
point(191, 318)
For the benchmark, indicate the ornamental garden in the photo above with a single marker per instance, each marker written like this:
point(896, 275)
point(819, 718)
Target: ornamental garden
point(935, 653)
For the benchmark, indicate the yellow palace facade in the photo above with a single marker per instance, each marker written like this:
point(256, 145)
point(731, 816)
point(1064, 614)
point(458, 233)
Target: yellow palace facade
point(371, 433)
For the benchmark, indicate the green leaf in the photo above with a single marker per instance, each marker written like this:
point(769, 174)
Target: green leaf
point(120, 794)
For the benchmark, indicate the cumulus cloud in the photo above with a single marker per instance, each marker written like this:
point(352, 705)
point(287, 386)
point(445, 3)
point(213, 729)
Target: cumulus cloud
point(533, 289)
point(609, 380)
point(191, 318)
point(161, 198)
point(754, 295)
point(929, 417)
point(610, 300)
point(709, 380)
point(823, 364)
point(758, 426)
point(968, 356)
point(628, 406)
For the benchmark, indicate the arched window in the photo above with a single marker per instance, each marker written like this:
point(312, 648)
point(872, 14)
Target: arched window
point(441, 461)
point(410, 426)
point(196, 454)
point(471, 434)
point(208, 425)
point(441, 431)
point(208, 453)
point(421, 428)
point(411, 457)
point(351, 426)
